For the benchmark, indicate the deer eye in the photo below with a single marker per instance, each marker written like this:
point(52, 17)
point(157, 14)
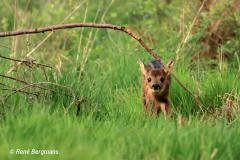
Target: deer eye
point(149, 79)
point(162, 79)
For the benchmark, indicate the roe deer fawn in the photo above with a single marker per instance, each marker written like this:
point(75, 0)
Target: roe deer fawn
point(156, 80)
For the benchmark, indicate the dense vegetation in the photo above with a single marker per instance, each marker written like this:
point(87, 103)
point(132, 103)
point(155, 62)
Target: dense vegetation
point(100, 66)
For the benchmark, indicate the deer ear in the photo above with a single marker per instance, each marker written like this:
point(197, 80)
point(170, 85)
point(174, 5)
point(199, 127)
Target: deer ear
point(170, 66)
point(143, 67)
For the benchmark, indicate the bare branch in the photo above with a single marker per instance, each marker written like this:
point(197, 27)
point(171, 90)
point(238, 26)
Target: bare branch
point(27, 62)
point(37, 85)
point(16, 91)
point(72, 95)
point(79, 25)
point(14, 79)
point(30, 84)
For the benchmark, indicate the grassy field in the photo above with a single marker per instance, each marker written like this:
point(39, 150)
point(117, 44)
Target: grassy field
point(101, 65)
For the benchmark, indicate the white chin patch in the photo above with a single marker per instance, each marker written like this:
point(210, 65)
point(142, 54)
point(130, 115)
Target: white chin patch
point(156, 91)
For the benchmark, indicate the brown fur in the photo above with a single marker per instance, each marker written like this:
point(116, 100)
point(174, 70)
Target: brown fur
point(156, 100)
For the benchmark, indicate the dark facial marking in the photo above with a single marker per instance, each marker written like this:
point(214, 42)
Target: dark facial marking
point(149, 79)
point(162, 79)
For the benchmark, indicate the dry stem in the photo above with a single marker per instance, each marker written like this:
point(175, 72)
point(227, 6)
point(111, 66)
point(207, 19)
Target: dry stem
point(27, 62)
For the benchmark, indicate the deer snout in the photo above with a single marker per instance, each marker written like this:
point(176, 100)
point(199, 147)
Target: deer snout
point(156, 87)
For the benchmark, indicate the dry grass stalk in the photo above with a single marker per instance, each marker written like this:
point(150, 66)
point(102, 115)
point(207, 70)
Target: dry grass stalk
point(31, 52)
point(184, 40)
point(91, 40)
point(86, 50)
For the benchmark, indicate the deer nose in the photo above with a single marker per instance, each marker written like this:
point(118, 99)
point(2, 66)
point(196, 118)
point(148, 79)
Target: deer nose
point(156, 86)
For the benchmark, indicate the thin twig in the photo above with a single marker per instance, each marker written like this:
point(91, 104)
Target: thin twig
point(5, 46)
point(189, 92)
point(26, 62)
point(20, 91)
point(2, 84)
point(30, 53)
point(24, 82)
point(72, 95)
point(14, 79)
point(30, 84)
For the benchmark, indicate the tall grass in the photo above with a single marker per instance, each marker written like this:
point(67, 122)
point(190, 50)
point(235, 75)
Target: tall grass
point(111, 124)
